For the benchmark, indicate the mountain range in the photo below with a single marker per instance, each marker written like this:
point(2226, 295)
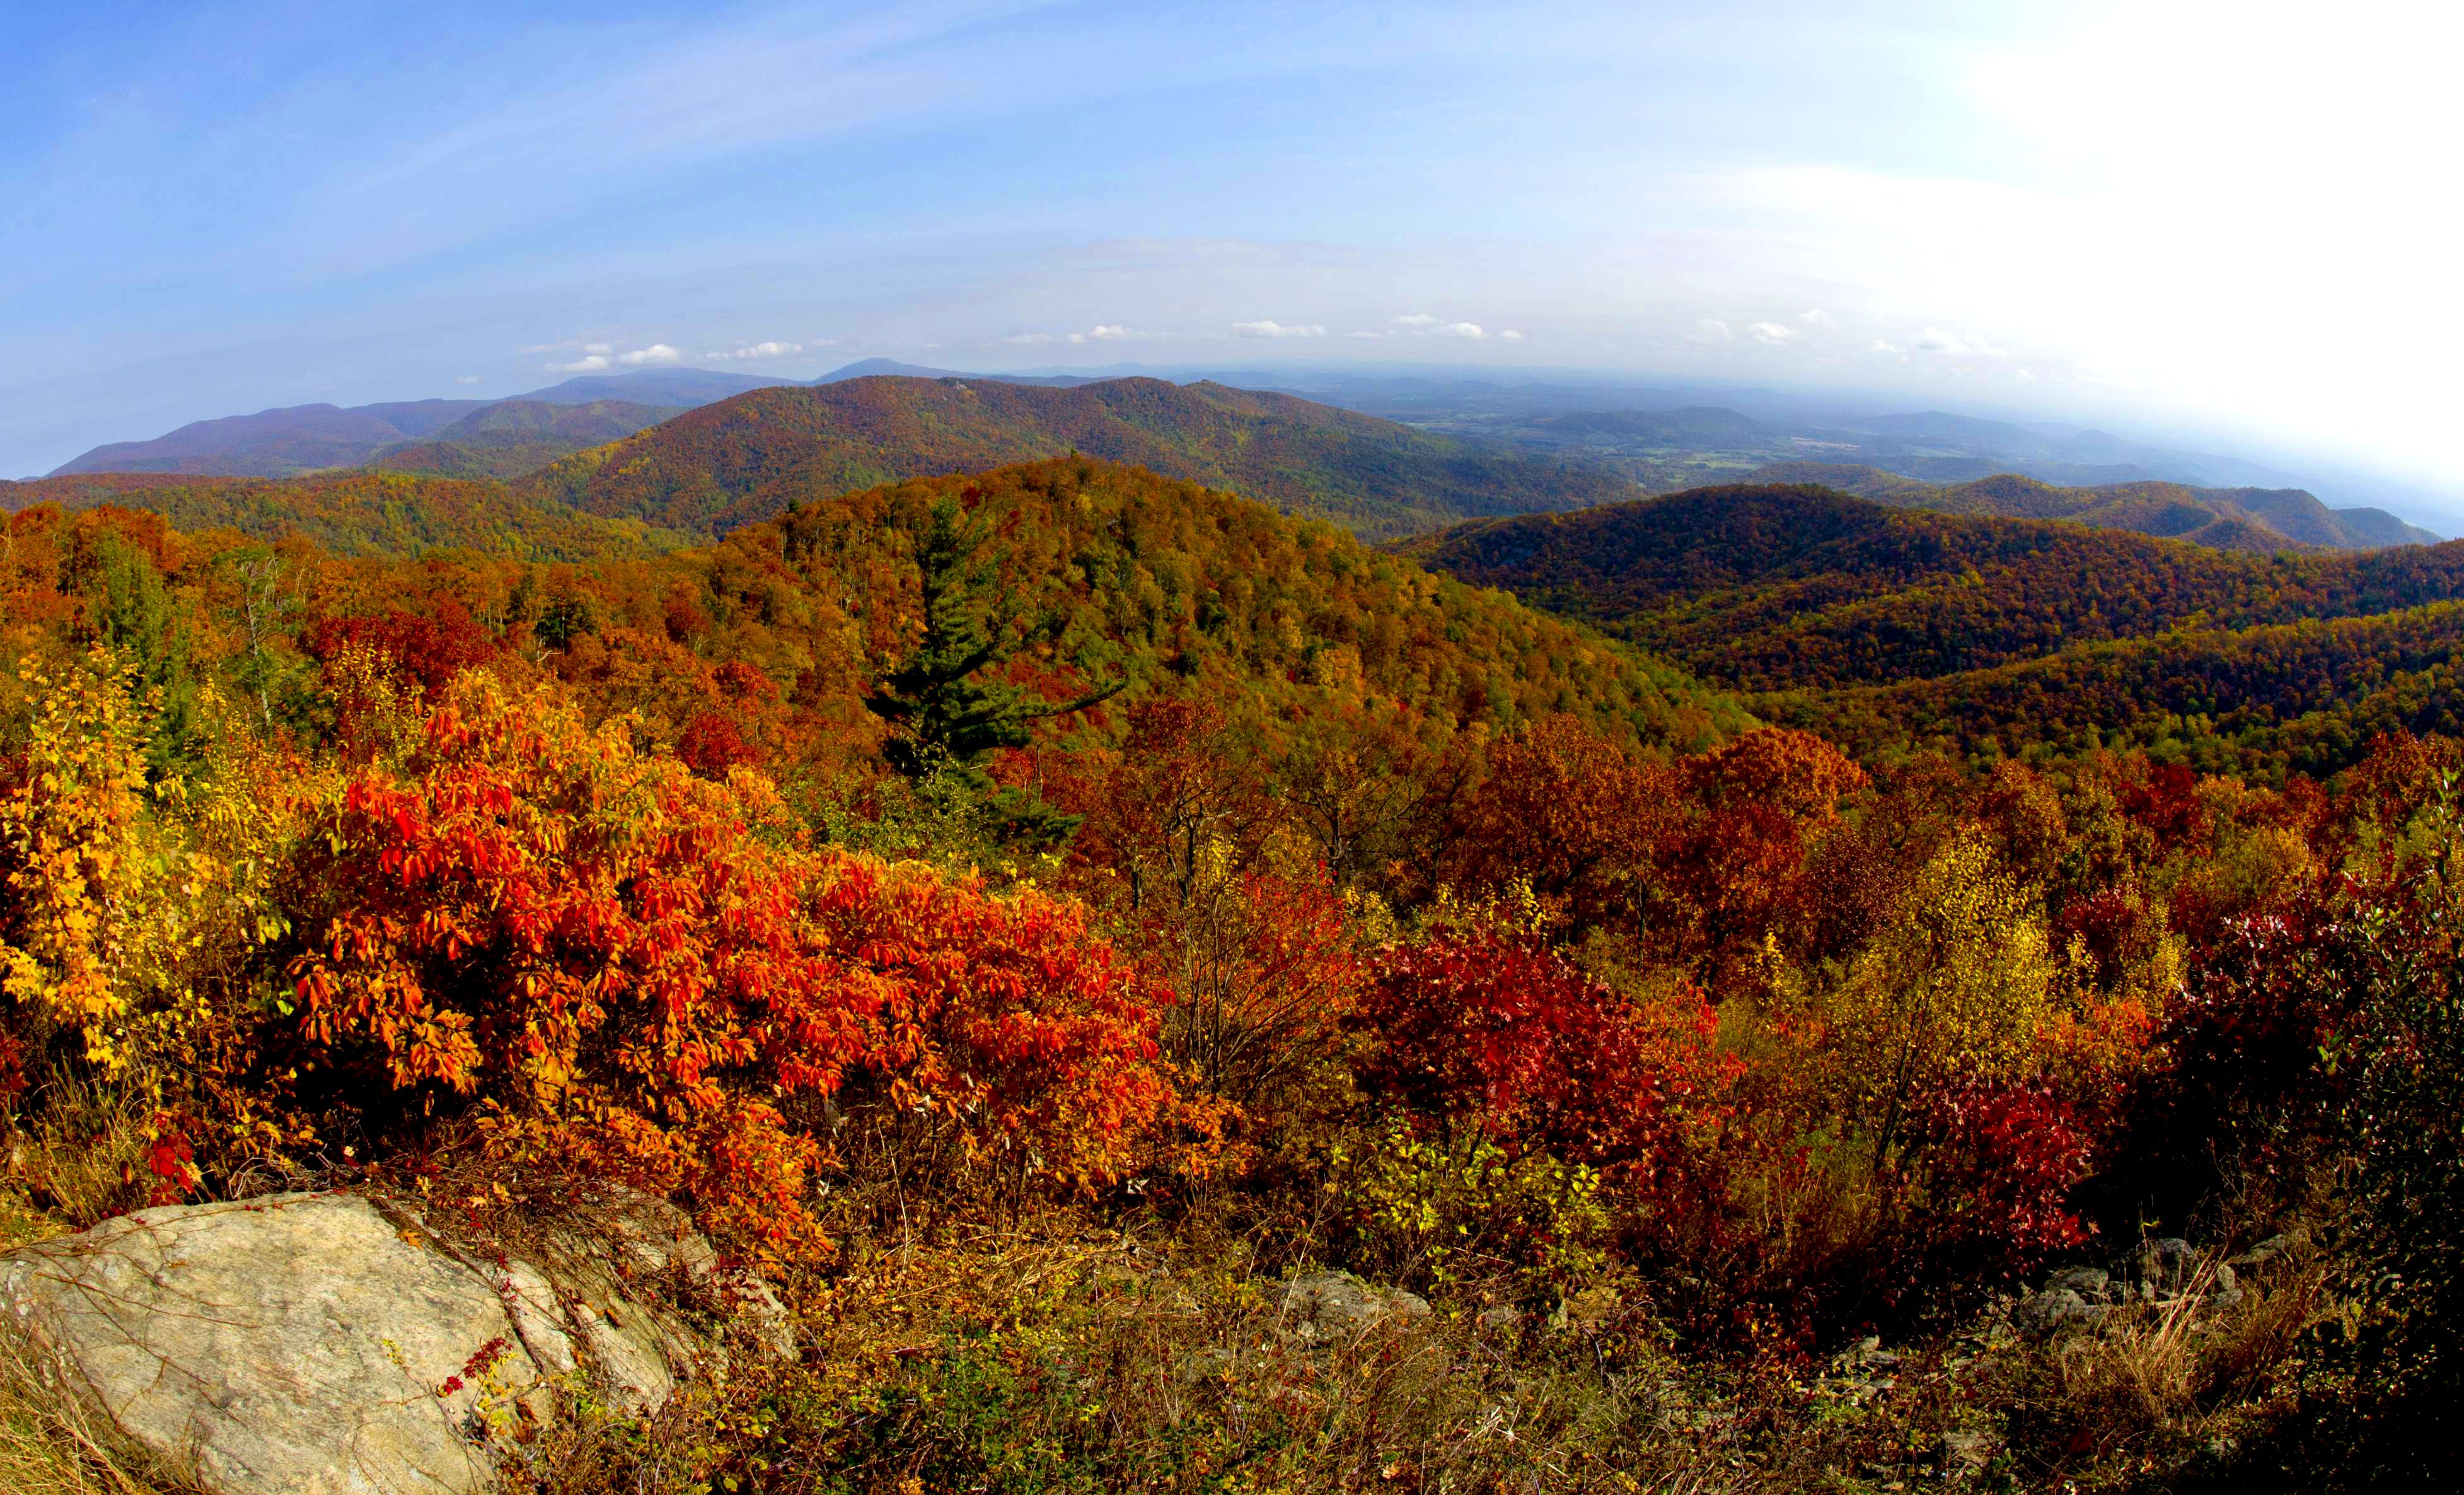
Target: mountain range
point(2224, 519)
point(1384, 454)
point(464, 437)
point(752, 457)
point(1884, 627)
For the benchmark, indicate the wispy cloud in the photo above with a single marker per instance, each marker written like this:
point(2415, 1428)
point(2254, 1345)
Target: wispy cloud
point(1277, 330)
point(1511, 336)
point(1709, 332)
point(655, 353)
point(770, 349)
point(1777, 334)
point(1953, 345)
point(1427, 325)
point(593, 363)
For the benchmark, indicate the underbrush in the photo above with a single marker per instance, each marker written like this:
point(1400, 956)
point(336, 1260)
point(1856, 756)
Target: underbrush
point(1046, 1361)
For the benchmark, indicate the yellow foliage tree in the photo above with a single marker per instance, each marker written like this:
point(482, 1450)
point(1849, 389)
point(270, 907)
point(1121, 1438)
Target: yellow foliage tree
point(74, 844)
point(1961, 985)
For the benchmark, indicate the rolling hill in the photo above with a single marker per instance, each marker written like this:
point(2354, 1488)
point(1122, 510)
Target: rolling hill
point(512, 437)
point(2225, 518)
point(750, 457)
point(357, 513)
point(276, 443)
point(457, 437)
point(1885, 626)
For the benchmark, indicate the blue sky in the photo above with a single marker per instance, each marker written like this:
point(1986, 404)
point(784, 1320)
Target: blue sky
point(2239, 218)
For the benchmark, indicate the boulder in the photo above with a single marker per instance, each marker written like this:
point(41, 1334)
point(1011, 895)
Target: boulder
point(2092, 1283)
point(2266, 1253)
point(1328, 1303)
point(2165, 1266)
point(1966, 1451)
point(333, 1345)
point(2042, 1313)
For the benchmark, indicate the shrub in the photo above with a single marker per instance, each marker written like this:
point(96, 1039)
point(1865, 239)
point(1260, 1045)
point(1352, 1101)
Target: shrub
point(1491, 1032)
point(598, 956)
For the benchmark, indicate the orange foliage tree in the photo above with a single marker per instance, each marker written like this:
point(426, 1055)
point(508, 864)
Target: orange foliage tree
point(600, 956)
point(1570, 811)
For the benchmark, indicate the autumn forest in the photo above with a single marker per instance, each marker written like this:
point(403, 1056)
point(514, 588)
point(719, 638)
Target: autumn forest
point(1745, 989)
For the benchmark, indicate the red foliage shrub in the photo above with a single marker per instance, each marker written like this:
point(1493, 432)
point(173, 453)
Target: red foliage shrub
point(709, 744)
point(2001, 1163)
point(598, 958)
point(683, 618)
point(738, 681)
point(2168, 803)
point(431, 648)
point(1501, 1033)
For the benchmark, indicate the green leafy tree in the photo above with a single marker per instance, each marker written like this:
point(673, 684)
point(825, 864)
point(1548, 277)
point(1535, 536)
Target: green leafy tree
point(950, 714)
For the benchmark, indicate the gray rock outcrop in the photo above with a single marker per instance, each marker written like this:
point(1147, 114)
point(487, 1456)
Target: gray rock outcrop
point(1330, 1303)
point(333, 1344)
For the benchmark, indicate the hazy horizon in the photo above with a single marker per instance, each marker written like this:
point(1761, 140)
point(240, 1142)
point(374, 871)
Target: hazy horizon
point(2198, 220)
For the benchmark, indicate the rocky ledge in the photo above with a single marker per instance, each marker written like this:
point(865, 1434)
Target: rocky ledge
point(333, 1343)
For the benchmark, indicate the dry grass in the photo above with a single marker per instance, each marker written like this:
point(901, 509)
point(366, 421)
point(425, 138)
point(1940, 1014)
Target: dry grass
point(52, 1443)
point(81, 1161)
point(1015, 1366)
point(2163, 1386)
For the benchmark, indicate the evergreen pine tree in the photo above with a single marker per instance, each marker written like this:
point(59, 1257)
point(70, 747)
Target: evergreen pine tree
point(949, 719)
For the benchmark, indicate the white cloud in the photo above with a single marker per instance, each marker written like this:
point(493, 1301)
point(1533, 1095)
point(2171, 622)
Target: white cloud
point(1511, 336)
point(1426, 326)
point(1709, 330)
point(1278, 329)
point(1934, 340)
point(1101, 332)
point(655, 353)
point(1816, 317)
point(2025, 377)
point(1885, 346)
point(1364, 334)
point(596, 362)
point(466, 379)
point(597, 350)
point(1775, 333)
point(772, 349)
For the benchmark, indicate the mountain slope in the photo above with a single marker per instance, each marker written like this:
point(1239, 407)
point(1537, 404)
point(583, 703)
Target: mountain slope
point(1186, 583)
point(303, 439)
point(2225, 518)
point(675, 387)
point(512, 437)
point(357, 513)
point(1774, 587)
point(1887, 627)
point(274, 443)
point(752, 457)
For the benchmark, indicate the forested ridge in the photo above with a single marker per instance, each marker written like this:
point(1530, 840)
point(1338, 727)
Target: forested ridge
point(357, 512)
point(1884, 628)
point(750, 457)
point(1167, 995)
point(2256, 521)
